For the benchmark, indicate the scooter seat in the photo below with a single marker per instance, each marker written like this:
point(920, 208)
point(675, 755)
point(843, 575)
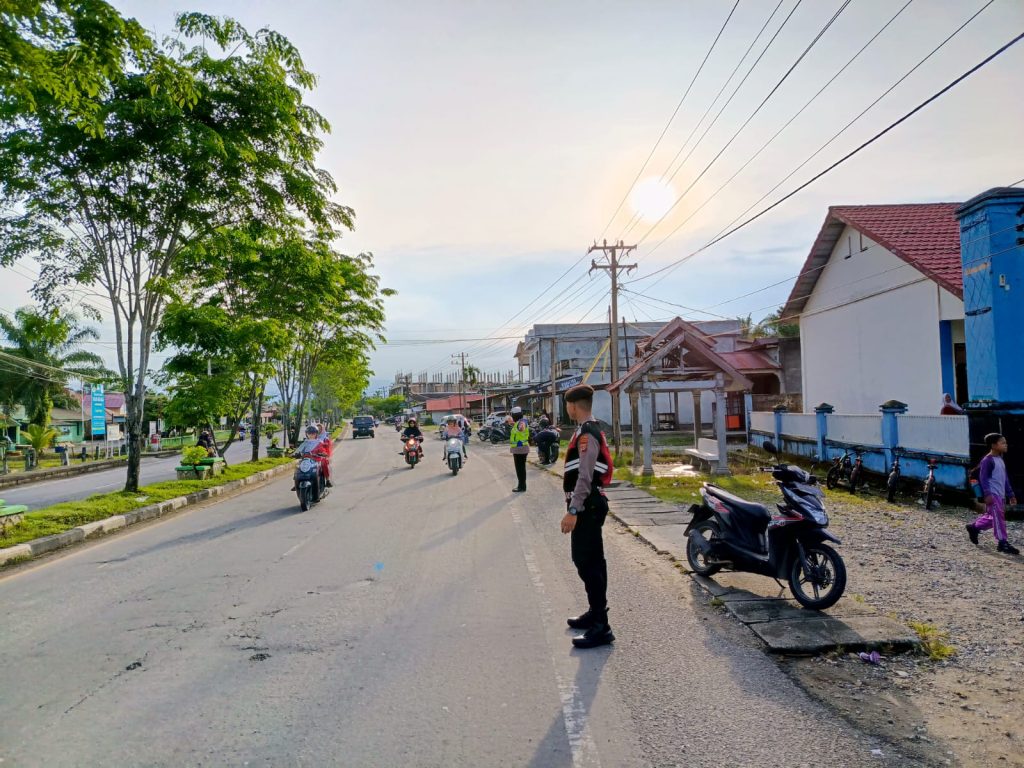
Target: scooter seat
point(752, 508)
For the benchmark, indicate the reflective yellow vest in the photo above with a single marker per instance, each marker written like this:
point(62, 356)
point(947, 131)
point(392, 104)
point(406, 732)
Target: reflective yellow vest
point(520, 434)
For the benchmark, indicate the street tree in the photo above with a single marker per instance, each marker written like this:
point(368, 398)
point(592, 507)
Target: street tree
point(349, 318)
point(117, 210)
point(51, 344)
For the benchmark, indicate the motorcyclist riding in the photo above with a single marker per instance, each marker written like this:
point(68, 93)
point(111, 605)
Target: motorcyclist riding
point(314, 447)
point(453, 430)
point(413, 430)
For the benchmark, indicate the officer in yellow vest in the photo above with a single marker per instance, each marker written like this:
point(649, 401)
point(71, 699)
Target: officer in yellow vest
point(519, 445)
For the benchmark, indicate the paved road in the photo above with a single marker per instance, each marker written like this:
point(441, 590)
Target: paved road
point(412, 619)
point(38, 495)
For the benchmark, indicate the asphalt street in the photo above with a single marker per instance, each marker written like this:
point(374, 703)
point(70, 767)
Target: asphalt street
point(153, 470)
point(413, 618)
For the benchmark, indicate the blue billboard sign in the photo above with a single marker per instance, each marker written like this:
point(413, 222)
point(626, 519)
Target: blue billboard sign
point(99, 411)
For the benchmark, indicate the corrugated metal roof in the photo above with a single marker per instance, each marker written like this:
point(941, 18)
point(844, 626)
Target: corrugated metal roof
point(746, 360)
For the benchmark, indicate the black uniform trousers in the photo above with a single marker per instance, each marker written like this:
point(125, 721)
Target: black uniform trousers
point(588, 551)
point(520, 460)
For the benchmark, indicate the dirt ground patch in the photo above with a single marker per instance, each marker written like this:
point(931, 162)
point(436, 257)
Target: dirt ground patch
point(919, 567)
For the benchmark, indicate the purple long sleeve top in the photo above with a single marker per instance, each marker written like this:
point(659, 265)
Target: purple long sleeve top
point(993, 478)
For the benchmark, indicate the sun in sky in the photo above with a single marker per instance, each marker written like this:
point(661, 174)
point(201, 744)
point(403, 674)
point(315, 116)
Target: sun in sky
point(652, 198)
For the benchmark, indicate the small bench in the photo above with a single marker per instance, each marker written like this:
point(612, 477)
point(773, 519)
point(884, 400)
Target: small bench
point(706, 451)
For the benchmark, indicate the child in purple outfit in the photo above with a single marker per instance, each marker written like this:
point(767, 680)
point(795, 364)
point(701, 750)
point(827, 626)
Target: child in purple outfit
point(995, 486)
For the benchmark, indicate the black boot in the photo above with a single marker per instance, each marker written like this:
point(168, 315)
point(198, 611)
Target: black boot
point(583, 621)
point(599, 633)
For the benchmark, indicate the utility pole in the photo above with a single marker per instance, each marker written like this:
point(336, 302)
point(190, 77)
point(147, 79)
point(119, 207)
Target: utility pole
point(461, 357)
point(613, 253)
point(554, 389)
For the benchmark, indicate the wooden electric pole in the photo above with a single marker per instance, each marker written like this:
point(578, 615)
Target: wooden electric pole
point(613, 253)
point(461, 358)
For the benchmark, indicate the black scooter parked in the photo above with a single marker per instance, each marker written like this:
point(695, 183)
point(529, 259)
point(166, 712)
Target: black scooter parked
point(728, 532)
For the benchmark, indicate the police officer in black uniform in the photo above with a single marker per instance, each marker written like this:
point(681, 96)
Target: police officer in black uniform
point(585, 465)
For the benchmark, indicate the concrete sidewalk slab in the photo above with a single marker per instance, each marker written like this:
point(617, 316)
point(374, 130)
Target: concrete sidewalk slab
point(758, 609)
point(817, 635)
point(786, 627)
point(665, 539)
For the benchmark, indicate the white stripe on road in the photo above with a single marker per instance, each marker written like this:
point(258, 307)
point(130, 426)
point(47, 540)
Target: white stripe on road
point(574, 709)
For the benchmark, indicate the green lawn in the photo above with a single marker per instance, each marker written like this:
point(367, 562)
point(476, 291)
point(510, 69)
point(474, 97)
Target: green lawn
point(69, 514)
point(686, 490)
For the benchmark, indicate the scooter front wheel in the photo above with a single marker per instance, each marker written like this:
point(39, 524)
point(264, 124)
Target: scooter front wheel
point(305, 496)
point(832, 478)
point(697, 560)
point(826, 582)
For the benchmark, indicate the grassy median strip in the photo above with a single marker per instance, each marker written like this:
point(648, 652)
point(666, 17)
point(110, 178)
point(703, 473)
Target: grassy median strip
point(70, 514)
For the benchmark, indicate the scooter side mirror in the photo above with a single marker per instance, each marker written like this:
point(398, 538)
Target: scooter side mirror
point(770, 447)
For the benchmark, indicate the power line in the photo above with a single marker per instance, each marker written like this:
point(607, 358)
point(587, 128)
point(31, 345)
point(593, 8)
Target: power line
point(636, 217)
point(784, 126)
point(816, 269)
point(670, 119)
point(841, 160)
point(746, 122)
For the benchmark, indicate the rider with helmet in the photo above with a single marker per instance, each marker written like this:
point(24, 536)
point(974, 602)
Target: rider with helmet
point(413, 431)
point(313, 446)
point(452, 430)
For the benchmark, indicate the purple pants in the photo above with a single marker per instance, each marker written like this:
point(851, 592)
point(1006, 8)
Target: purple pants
point(994, 518)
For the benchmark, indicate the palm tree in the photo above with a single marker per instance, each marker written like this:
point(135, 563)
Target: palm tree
point(40, 438)
point(44, 339)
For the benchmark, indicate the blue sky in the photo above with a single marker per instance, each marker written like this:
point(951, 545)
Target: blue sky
point(485, 145)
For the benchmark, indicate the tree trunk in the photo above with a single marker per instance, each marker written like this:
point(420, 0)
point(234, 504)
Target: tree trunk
point(256, 423)
point(133, 420)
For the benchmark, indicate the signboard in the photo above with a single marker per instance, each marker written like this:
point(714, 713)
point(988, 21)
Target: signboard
point(560, 386)
point(99, 411)
point(565, 384)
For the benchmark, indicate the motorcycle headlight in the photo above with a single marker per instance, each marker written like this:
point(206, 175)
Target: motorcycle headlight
point(307, 465)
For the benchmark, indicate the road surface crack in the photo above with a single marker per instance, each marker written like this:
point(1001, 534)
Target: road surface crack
point(137, 664)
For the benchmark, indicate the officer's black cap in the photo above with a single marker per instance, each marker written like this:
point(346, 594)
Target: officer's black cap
point(580, 392)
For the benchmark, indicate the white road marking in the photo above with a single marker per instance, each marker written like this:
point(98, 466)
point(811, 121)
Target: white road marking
point(290, 551)
point(574, 709)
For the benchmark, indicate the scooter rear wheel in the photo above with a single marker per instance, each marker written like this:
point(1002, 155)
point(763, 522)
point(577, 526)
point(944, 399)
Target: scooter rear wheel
point(826, 585)
point(697, 560)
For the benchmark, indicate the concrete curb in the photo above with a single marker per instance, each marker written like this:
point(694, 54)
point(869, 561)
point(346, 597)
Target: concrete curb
point(37, 547)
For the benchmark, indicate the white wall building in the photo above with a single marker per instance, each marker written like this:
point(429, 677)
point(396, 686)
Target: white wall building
point(880, 302)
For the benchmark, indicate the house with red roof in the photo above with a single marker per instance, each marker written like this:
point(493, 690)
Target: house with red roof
point(881, 311)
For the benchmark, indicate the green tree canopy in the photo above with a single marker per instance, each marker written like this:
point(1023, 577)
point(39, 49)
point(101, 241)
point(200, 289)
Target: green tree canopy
point(233, 144)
